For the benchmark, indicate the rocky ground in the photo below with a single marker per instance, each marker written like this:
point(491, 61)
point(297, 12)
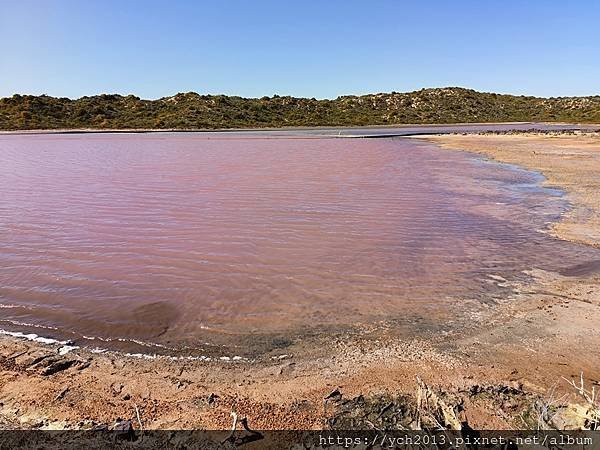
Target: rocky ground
point(512, 369)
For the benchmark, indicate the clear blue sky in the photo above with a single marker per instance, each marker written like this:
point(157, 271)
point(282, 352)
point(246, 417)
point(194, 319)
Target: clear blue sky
point(320, 49)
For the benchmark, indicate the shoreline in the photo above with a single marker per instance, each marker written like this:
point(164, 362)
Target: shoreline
point(522, 348)
point(574, 126)
point(570, 163)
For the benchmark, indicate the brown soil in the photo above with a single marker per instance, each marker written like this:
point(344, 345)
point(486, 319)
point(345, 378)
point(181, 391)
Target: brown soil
point(517, 354)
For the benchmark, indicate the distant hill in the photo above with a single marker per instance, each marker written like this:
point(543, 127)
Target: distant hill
point(194, 111)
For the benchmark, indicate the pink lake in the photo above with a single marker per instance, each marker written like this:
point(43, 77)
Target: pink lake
point(187, 241)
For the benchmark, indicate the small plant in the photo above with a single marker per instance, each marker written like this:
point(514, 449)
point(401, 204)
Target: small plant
point(591, 415)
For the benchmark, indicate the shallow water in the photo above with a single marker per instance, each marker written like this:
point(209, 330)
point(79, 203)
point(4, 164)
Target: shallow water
point(180, 240)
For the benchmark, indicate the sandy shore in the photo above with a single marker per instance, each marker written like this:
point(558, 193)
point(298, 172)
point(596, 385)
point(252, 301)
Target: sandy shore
point(568, 161)
point(517, 353)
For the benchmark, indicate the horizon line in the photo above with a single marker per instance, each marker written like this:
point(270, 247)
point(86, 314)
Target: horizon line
point(276, 95)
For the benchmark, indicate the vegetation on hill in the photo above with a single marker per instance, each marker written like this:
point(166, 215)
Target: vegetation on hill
point(194, 111)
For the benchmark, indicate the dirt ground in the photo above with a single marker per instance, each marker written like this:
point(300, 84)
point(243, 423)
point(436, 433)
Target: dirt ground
point(495, 375)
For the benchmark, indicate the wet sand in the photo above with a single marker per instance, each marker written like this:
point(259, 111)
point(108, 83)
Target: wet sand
point(568, 161)
point(546, 329)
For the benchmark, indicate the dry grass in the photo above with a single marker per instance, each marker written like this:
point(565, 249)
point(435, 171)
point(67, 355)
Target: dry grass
point(590, 413)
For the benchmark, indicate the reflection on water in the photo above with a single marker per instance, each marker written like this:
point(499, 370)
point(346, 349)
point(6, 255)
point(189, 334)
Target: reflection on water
point(177, 239)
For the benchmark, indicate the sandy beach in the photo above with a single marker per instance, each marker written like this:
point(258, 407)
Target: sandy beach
point(517, 352)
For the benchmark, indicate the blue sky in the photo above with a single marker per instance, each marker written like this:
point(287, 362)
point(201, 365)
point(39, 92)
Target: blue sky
point(303, 48)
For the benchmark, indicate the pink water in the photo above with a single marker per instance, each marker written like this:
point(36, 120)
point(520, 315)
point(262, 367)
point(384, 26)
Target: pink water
point(185, 240)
